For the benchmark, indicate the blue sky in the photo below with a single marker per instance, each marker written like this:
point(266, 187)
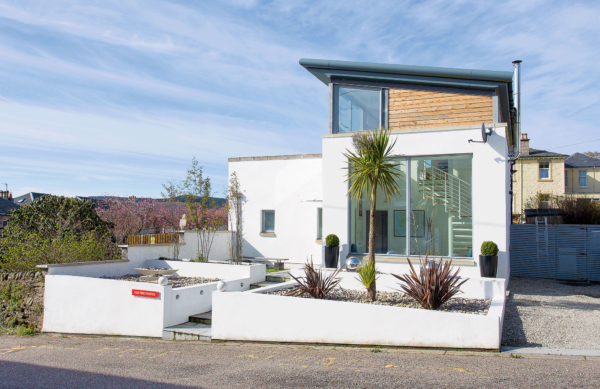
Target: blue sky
point(116, 97)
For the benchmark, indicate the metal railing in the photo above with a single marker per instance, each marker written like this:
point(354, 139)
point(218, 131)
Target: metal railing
point(444, 188)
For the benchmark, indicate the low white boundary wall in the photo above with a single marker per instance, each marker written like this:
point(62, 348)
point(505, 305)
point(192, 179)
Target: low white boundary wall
point(85, 305)
point(219, 250)
point(289, 319)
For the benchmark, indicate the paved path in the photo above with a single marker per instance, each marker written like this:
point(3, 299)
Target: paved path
point(51, 361)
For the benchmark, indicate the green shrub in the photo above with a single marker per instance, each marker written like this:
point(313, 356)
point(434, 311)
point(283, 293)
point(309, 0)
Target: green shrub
point(489, 248)
point(332, 240)
point(33, 250)
point(26, 331)
point(55, 229)
point(367, 274)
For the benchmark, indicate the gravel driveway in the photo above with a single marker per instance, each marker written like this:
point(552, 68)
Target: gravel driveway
point(555, 314)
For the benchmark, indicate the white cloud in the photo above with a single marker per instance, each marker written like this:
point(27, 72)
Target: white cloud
point(92, 91)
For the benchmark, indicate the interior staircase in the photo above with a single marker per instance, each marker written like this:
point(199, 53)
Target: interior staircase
point(199, 326)
point(454, 194)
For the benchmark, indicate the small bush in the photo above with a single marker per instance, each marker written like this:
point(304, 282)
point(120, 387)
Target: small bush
point(314, 283)
point(489, 248)
point(26, 331)
point(332, 240)
point(367, 274)
point(434, 285)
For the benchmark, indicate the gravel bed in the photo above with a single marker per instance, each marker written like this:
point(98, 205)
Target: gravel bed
point(397, 299)
point(554, 314)
point(177, 282)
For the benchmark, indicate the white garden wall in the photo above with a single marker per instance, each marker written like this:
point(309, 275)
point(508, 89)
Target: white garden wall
point(325, 321)
point(219, 250)
point(88, 305)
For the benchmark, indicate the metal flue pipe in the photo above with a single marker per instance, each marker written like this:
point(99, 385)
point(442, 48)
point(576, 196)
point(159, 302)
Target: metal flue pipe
point(517, 102)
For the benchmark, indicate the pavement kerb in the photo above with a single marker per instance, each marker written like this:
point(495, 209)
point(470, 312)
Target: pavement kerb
point(506, 352)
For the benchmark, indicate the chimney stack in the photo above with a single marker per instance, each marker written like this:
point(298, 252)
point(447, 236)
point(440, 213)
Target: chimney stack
point(4, 194)
point(524, 145)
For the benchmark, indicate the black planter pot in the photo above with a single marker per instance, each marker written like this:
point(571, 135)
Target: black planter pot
point(488, 265)
point(332, 254)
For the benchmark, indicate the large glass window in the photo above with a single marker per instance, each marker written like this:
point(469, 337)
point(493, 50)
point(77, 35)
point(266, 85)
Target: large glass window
point(268, 221)
point(440, 205)
point(439, 212)
point(390, 230)
point(544, 170)
point(583, 178)
point(359, 109)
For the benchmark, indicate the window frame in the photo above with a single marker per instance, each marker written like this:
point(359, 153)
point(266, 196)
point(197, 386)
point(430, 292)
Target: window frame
point(579, 178)
point(408, 187)
point(549, 178)
point(566, 178)
point(262, 227)
point(335, 117)
point(319, 223)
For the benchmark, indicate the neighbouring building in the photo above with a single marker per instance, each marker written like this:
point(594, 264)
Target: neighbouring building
point(27, 198)
point(537, 171)
point(582, 176)
point(549, 174)
point(454, 186)
point(6, 206)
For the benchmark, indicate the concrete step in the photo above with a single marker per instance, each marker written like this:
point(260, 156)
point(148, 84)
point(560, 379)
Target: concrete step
point(188, 331)
point(263, 284)
point(204, 318)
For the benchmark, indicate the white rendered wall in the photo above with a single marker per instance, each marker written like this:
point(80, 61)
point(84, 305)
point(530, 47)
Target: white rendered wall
point(491, 201)
point(87, 305)
point(219, 250)
point(253, 315)
point(293, 189)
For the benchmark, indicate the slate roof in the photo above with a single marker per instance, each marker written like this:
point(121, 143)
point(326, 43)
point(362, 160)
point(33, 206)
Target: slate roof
point(28, 198)
point(535, 153)
point(581, 160)
point(6, 206)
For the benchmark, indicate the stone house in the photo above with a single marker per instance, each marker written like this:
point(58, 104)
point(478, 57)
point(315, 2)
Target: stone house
point(537, 171)
point(582, 176)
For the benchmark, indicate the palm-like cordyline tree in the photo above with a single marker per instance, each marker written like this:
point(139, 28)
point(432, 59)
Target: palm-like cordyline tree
point(370, 167)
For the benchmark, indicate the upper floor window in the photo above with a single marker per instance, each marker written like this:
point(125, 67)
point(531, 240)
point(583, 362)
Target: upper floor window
point(358, 108)
point(544, 170)
point(583, 178)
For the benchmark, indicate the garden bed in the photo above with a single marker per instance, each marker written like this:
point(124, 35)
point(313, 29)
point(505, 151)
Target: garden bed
point(174, 281)
point(396, 299)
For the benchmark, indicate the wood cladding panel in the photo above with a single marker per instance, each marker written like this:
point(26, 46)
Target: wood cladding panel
point(421, 109)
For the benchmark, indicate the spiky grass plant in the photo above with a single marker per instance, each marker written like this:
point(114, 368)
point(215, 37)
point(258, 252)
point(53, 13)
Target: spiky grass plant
point(435, 284)
point(314, 283)
point(367, 274)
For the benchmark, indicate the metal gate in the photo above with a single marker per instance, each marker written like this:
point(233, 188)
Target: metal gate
point(563, 251)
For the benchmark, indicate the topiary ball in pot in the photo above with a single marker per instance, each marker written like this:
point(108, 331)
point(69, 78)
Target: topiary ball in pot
point(332, 251)
point(332, 240)
point(488, 260)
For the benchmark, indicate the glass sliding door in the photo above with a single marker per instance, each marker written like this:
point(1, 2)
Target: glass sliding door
point(440, 204)
point(390, 235)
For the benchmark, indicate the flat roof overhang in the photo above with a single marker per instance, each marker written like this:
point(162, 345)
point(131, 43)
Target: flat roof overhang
point(500, 82)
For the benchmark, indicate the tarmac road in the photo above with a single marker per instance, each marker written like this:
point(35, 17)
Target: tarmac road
point(52, 361)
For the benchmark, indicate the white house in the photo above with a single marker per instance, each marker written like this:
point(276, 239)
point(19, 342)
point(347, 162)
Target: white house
point(455, 191)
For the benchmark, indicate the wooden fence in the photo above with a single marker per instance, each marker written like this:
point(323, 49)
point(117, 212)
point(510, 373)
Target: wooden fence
point(173, 237)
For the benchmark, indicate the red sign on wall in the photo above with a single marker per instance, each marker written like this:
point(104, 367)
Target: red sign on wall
point(145, 293)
